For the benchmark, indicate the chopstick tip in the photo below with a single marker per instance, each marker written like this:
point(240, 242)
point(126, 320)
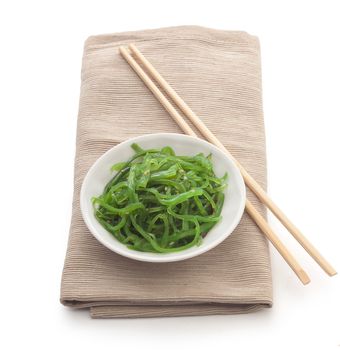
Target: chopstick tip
point(132, 47)
point(304, 278)
point(332, 273)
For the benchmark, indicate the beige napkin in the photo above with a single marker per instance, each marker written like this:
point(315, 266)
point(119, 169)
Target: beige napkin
point(218, 74)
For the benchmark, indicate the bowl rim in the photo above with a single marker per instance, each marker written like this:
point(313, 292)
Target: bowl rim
point(169, 257)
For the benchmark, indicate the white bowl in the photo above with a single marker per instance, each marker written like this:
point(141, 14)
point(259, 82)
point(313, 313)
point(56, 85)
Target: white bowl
point(99, 175)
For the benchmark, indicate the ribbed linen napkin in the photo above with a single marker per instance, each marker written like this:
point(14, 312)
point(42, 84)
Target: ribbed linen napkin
point(218, 73)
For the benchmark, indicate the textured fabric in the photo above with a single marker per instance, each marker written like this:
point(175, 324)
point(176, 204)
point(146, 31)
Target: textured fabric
point(218, 74)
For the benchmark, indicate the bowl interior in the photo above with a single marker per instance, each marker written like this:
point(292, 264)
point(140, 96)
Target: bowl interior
point(100, 174)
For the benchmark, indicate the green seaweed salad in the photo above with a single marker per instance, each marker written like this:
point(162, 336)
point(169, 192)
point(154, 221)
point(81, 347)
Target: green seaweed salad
point(160, 202)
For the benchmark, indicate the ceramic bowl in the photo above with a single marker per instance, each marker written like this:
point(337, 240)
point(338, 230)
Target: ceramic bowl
point(99, 175)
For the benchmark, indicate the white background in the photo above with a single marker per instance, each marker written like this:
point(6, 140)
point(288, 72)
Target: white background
point(40, 60)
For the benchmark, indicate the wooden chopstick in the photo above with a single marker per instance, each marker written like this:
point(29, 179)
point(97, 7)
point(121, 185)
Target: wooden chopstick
point(249, 180)
point(255, 215)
